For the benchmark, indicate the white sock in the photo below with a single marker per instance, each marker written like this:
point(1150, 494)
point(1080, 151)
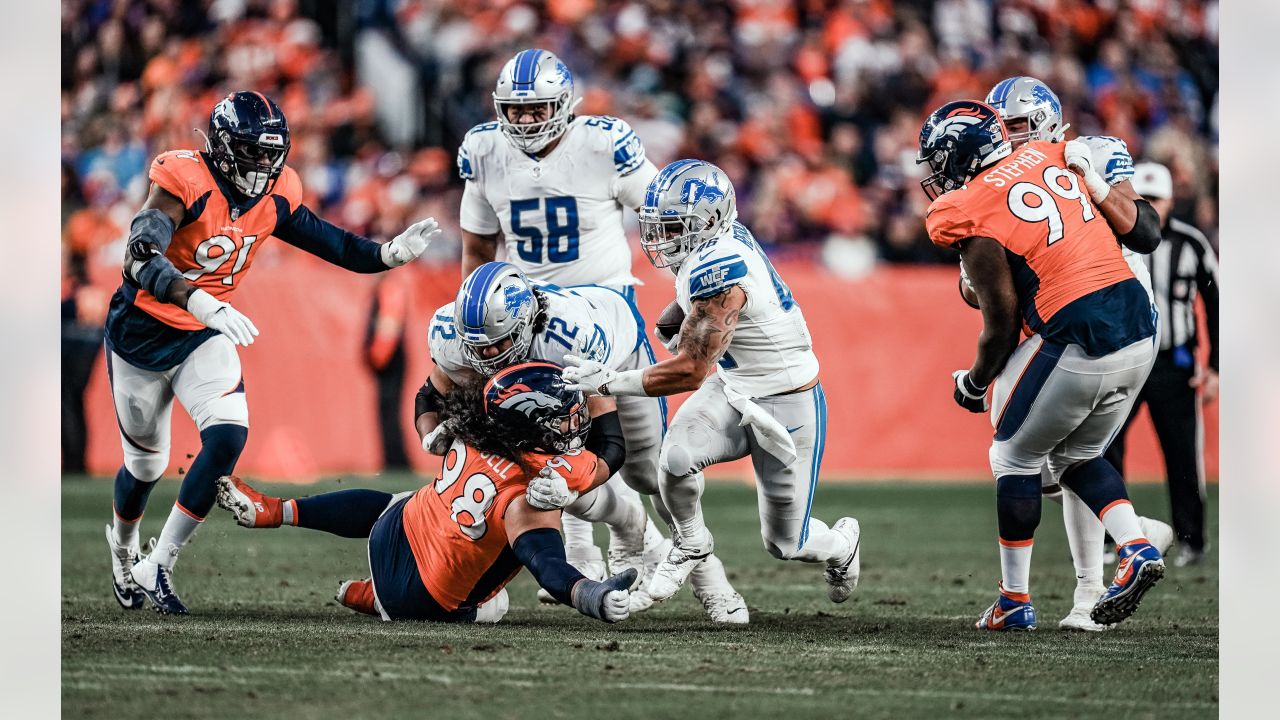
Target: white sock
point(178, 529)
point(576, 532)
point(1015, 566)
point(1122, 522)
point(289, 512)
point(709, 578)
point(823, 544)
point(1085, 535)
point(683, 497)
point(652, 535)
point(125, 533)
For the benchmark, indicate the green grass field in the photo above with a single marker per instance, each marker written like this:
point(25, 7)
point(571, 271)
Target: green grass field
point(267, 639)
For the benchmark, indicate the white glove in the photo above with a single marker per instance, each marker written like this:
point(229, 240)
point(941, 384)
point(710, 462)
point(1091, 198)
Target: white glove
point(410, 244)
point(672, 344)
point(616, 606)
point(589, 376)
point(1079, 158)
point(220, 316)
point(548, 490)
point(438, 440)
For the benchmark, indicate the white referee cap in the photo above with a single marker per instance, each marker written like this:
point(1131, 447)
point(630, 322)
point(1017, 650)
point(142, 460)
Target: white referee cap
point(1152, 181)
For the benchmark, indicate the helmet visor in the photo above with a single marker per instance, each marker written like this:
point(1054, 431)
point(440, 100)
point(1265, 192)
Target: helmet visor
point(667, 239)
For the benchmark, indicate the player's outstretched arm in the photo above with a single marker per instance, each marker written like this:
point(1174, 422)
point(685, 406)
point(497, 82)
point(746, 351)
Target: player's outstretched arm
point(477, 249)
point(992, 282)
point(704, 337)
point(534, 535)
point(1133, 220)
point(146, 267)
point(427, 405)
point(305, 230)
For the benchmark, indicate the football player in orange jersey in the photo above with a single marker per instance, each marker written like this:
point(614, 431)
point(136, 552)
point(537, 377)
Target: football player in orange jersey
point(1039, 254)
point(171, 331)
point(446, 551)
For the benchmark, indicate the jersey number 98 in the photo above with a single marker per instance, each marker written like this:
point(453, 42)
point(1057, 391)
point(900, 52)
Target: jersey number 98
point(478, 493)
point(560, 218)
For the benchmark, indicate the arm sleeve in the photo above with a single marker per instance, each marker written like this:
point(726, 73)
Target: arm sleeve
point(1144, 238)
point(1207, 283)
point(542, 551)
point(305, 231)
point(476, 214)
point(605, 440)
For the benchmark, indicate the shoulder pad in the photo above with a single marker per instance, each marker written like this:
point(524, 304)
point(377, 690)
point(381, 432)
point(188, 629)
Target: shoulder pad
point(1111, 157)
point(442, 339)
point(947, 224)
point(715, 267)
point(181, 173)
point(472, 147)
point(624, 144)
point(289, 187)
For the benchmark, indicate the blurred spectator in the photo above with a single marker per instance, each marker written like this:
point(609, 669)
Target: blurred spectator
point(384, 353)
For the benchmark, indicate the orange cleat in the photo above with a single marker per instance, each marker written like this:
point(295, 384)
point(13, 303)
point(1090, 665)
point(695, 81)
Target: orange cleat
point(358, 595)
point(251, 508)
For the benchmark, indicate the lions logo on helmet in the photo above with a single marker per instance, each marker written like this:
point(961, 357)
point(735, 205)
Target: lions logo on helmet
point(534, 77)
point(1030, 110)
point(957, 140)
point(687, 203)
point(533, 403)
point(495, 304)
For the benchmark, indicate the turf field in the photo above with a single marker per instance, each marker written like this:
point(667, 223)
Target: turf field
point(267, 639)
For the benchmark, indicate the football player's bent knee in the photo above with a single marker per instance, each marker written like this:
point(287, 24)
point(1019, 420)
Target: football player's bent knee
point(1006, 461)
point(677, 460)
point(230, 409)
point(222, 445)
point(781, 549)
point(146, 467)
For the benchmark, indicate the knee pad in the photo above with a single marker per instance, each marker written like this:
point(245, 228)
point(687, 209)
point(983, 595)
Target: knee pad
point(494, 609)
point(676, 460)
point(146, 467)
point(778, 551)
point(230, 409)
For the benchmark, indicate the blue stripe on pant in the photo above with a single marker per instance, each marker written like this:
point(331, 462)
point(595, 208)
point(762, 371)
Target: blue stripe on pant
point(1027, 389)
point(819, 444)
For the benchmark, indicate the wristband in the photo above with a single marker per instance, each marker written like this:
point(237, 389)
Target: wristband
point(630, 382)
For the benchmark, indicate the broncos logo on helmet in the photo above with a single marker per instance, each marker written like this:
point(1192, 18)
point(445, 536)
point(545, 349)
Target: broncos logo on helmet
point(957, 140)
point(532, 403)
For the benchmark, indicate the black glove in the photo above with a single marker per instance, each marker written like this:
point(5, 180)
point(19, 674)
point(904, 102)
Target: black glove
point(969, 396)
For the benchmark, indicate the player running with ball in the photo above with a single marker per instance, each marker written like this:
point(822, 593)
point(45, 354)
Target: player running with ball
point(764, 401)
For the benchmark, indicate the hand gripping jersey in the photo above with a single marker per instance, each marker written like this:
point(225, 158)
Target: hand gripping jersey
point(1112, 160)
point(456, 526)
point(561, 216)
point(1073, 284)
point(588, 321)
point(771, 351)
point(215, 243)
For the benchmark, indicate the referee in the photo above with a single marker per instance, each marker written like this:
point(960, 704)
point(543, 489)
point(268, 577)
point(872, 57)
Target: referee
point(1182, 267)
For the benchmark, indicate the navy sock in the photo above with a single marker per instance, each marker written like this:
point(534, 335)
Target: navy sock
point(1097, 482)
point(219, 451)
point(347, 513)
point(1018, 506)
point(542, 551)
point(131, 495)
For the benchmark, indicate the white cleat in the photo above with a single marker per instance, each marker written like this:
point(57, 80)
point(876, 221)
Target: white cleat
point(842, 577)
point(674, 570)
point(656, 548)
point(727, 607)
point(587, 559)
point(1157, 533)
point(123, 558)
point(1078, 619)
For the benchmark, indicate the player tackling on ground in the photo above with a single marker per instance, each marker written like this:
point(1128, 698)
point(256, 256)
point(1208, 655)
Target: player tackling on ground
point(171, 332)
point(764, 401)
point(1038, 252)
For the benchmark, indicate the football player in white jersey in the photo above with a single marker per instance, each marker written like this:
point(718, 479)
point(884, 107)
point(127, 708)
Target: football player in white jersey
point(1031, 111)
point(764, 401)
point(500, 318)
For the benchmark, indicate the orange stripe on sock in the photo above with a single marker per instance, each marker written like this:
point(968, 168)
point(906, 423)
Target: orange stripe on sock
point(1016, 543)
point(294, 505)
point(1133, 542)
point(125, 520)
point(189, 514)
point(1112, 504)
point(1015, 596)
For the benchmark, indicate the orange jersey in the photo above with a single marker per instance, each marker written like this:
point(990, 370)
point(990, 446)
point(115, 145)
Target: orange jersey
point(456, 525)
point(214, 246)
point(1073, 284)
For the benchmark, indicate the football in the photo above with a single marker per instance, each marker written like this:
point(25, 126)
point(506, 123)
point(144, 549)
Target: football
point(670, 320)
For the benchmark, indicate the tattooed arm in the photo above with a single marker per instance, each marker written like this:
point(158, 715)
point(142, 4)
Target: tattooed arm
point(704, 337)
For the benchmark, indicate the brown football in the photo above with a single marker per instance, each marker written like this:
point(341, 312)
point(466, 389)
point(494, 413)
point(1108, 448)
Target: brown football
point(670, 320)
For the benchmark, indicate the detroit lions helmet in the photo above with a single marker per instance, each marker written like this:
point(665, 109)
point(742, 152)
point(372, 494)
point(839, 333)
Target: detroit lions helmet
point(957, 140)
point(532, 402)
point(686, 204)
point(534, 77)
point(495, 304)
point(248, 141)
point(1030, 110)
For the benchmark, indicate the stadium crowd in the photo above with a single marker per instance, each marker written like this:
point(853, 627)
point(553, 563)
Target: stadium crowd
point(813, 106)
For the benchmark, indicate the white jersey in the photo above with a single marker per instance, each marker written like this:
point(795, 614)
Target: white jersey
point(1111, 159)
point(592, 322)
point(561, 216)
point(771, 351)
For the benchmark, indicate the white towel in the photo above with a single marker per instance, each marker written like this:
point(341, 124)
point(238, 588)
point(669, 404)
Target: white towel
point(770, 433)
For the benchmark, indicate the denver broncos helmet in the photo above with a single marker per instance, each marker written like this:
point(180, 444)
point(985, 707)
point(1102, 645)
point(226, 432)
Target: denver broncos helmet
point(532, 402)
point(957, 140)
point(248, 141)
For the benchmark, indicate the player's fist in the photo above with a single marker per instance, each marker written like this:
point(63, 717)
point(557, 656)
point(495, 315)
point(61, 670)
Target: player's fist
point(410, 244)
point(1079, 158)
point(437, 441)
point(589, 376)
point(548, 490)
point(609, 601)
point(967, 395)
point(220, 316)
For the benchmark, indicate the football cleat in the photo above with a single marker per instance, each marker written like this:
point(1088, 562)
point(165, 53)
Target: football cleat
point(656, 548)
point(1159, 534)
point(1140, 568)
point(842, 577)
point(1187, 555)
point(1078, 619)
point(674, 570)
point(1009, 613)
point(153, 579)
point(250, 508)
point(728, 607)
point(123, 558)
point(587, 559)
point(358, 595)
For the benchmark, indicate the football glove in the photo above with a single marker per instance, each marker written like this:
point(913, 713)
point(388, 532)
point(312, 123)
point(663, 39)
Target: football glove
point(609, 601)
point(589, 376)
point(1079, 159)
point(548, 490)
point(437, 441)
point(220, 316)
point(410, 244)
point(672, 344)
point(969, 396)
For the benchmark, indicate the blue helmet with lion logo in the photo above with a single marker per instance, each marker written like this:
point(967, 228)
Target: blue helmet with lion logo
point(495, 312)
point(686, 204)
point(1030, 110)
point(532, 402)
